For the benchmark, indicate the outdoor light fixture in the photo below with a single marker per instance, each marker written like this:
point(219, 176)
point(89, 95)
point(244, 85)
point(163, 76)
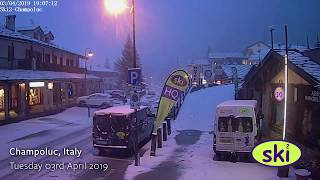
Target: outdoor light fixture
point(36, 84)
point(115, 7)
point(90, 53)
point(50, 85)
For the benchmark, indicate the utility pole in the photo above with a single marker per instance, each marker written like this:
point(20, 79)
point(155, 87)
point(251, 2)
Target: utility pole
point(271, 28)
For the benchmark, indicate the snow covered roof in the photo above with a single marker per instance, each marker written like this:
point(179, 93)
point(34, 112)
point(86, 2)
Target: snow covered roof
point(117, 110)
point(225, 55)
point(101, 69)
point(241, 69)
point(247, 103)
point(19, 74)
point(304, 63)
point(4, 32)
point(259, 56)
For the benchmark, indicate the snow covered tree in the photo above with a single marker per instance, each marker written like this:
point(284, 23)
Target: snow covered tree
point(107, 63)
point(126, 61)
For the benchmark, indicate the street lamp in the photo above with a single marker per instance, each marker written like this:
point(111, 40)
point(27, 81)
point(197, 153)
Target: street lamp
point(87, 53)
point(117, 7)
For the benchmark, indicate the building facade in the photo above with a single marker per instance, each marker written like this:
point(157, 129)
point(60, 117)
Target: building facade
point(265, 83)
point(36, 76)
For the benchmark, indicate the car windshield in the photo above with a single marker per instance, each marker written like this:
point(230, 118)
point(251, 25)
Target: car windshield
point(232, 124)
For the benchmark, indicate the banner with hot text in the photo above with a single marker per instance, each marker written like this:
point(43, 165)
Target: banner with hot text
point(175, 86)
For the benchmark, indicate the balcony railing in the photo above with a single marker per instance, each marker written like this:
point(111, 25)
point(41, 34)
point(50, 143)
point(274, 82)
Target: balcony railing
point(27, 64)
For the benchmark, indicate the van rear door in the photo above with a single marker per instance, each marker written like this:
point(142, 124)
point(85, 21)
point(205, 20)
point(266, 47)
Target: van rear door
point(111, 130)
point(234, 134)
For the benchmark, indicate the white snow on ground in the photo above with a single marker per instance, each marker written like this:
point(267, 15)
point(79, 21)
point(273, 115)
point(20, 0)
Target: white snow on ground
point(197, 113)
point(8, 133)
point(198, 109)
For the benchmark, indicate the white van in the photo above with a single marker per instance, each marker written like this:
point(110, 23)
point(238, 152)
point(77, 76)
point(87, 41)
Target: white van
point(236, 129)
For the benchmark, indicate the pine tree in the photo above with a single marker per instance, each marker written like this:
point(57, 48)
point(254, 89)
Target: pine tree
point(125, 62)
point(107, 63)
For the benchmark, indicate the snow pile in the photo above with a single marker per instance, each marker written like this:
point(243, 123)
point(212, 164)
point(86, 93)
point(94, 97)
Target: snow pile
point(17, 134)
point(198, 109)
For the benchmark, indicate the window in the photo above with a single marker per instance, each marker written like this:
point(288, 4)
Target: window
point(10, 53)
point(232, 124)
point(70, 91)
point(1, 98)
point(47, 59)
point(54, 59)
point(295, 94)
point(306, 123)
point(35, 96)
point(61, 61)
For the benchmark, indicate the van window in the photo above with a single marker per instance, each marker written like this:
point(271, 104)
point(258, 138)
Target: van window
point(246, 123)
point(232, 124)
point(111, 124)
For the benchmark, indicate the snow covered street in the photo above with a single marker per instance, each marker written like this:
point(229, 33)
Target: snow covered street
point(188, 152)
point(186, 155)
point(69, 129)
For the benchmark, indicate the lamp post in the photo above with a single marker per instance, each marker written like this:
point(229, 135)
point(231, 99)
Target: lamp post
point(87, 53)
point(283, 171)
point(116, 7)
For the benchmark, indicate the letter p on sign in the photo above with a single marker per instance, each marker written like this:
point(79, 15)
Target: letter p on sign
point(134, 76)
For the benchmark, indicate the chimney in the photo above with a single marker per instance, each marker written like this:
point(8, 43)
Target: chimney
point(11, 22)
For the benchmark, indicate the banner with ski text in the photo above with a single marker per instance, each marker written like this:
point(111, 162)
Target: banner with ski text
point(175, 86)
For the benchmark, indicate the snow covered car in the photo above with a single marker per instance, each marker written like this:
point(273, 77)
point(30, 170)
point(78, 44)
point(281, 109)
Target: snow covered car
point(236, 129)
point(95, 100)
point(116, 128)
point(118, 94)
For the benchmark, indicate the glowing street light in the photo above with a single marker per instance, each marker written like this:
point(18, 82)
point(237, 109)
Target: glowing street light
point(90, 54)
point(116, 7)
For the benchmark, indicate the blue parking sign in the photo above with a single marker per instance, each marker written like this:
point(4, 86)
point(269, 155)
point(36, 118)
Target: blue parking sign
point(134, 76)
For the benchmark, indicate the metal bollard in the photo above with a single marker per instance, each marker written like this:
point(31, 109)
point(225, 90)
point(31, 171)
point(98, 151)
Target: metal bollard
point(165, 131)
point(88, 111)
point(137, 158)
point(153, 144)
point(169, 126)
point(159, 135)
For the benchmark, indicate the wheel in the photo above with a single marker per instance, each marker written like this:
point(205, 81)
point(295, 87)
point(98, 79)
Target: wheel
point(217, 156)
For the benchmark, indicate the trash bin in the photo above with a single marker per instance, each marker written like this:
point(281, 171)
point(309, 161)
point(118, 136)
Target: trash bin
point(302, 174)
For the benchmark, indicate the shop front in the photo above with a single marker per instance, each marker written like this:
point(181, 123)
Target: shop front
point(35, 97)
point(2, 104)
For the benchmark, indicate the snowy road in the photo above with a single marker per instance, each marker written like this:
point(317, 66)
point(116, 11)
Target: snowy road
point(69, 129)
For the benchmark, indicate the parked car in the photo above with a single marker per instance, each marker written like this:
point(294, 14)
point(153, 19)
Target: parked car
point(118, 94)
point(95, 100)
point(117, 128)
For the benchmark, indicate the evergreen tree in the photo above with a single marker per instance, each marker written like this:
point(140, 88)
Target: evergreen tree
point(125, 62)
point(107, 63)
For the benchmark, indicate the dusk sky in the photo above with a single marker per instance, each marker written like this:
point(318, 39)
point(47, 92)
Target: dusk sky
point(168, 30)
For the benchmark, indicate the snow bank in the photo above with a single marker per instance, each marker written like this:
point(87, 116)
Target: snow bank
point(199, 165)
point(198, 109)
